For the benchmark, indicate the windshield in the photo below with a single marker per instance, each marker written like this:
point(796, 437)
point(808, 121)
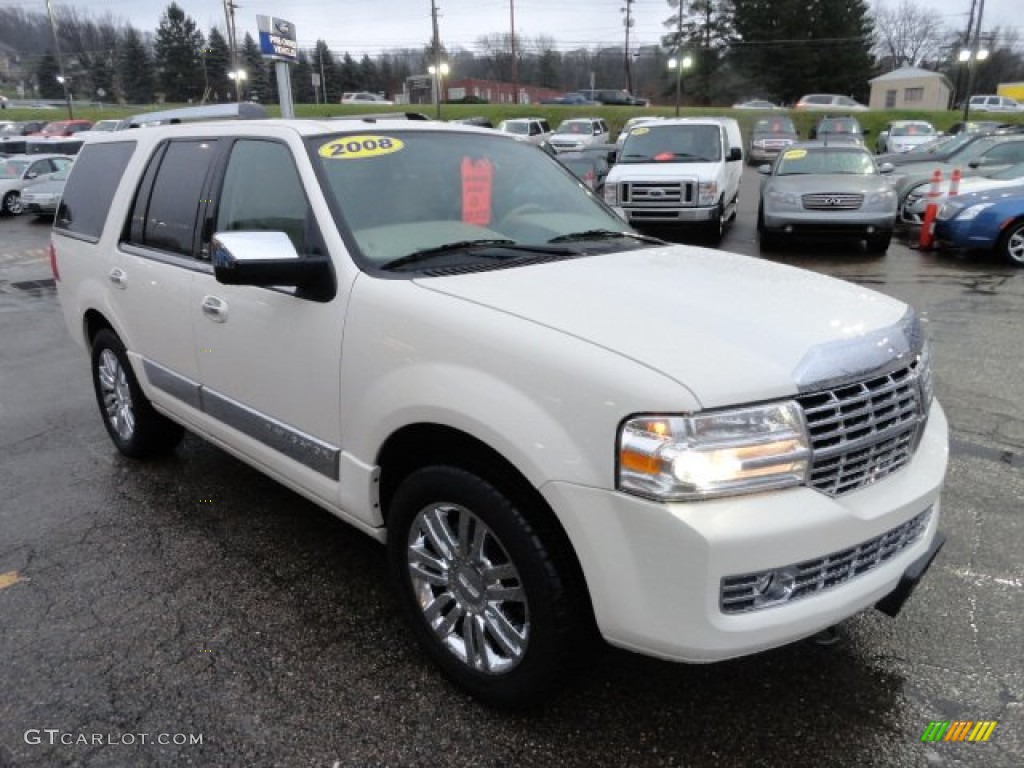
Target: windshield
point(12, 169)
point(913, 129)
point(672, 144)
point(839, 125)
point(582, 126)
point(519, 128)
point(774, 125)
point(796, 162)
point(972, 150)
point(402, 193)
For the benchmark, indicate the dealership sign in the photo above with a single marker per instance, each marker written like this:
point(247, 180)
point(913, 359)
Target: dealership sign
point(277, 39)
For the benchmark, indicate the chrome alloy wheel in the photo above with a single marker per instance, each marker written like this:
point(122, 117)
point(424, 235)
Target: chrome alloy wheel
point(117, 395)
point(1015, 246)
point(468, 588)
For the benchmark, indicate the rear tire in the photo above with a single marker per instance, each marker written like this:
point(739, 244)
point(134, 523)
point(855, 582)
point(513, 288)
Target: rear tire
point(484, 593)
point(1011, 244)
point(136, 429)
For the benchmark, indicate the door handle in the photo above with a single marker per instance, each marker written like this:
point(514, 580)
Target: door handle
point(215, 308)
point(118, 277)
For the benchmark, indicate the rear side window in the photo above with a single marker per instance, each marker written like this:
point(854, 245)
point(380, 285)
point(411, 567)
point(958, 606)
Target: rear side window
point(167, 209)
point(90, 188)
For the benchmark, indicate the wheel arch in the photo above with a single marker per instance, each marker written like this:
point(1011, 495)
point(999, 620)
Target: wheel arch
point(93, 321)
point(1004, 238)
point(415, 446)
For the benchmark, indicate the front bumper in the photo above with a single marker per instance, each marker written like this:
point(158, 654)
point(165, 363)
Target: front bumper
point(653, 215)
point(655, 571)
point(824, 223)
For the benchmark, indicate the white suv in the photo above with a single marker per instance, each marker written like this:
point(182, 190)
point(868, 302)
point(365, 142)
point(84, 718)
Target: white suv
point(554, 423)
point(578, 133)
point(993, 103)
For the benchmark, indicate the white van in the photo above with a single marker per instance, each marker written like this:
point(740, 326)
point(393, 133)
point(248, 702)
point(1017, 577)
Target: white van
point(679, 171)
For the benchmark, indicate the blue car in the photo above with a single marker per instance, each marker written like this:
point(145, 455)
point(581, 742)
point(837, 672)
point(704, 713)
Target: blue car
point(992, 220)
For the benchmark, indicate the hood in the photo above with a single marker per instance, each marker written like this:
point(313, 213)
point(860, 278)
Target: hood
point(655, 171)
point(989, 195)
point(730, 328)
point(809, 184)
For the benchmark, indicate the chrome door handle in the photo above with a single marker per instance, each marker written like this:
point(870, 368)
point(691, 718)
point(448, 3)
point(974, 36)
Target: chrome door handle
point(216, 309)
point(118, 277)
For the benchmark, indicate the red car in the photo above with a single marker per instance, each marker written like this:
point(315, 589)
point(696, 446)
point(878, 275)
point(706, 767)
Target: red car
point(63, 128)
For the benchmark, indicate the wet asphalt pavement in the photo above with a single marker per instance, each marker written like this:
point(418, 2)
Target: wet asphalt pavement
point(195, 602)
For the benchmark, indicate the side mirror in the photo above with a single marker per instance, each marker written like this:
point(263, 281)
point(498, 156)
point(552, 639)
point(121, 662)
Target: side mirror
point(269, 259)
point(886, 168)
point(765, 169)
point(735, 153)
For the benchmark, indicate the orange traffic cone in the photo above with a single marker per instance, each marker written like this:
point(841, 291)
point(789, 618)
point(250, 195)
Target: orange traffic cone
point(925, 239)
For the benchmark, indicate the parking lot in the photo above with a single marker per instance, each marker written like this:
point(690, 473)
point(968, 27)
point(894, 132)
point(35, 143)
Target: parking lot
point(190, 611)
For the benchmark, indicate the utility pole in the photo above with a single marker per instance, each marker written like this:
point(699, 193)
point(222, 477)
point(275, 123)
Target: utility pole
point(515, 62)
point(323, 77)
point(60, 60)
point(973, 61)
point(436, 80)
point(229, 17)
point(629, 23)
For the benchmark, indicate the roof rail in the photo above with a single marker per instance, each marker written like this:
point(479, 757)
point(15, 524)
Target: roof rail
point(239, 111)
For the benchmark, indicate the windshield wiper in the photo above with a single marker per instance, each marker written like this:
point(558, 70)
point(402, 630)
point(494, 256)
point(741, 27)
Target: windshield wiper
point(470, 245)
point(605, 234)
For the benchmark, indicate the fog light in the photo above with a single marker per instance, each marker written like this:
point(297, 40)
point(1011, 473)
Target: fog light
point(871, 230)
point(774, 586)
point(789, 228)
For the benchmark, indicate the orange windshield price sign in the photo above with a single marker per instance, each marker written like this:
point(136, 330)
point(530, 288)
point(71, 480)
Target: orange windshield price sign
point(477, 183)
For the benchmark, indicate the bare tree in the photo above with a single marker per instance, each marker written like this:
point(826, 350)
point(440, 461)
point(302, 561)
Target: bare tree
point(908, 33)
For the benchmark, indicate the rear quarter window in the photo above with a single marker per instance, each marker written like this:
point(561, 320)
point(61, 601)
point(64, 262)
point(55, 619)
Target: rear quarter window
point(90, 188)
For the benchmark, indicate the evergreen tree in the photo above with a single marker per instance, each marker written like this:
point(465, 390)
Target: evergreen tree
point(217, 60)
point(793, 47)
point(178, 55)
point(46, 75)
point(348, 73)
point(257, 85)
point(302, 80)
point(323, 64)
point(134, 68)
point(368, 76)
point(701, 29)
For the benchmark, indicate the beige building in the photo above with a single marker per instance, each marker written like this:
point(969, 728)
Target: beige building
point(910, 88)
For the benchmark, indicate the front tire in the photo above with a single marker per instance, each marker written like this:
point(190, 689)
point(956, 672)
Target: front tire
point(480, 588)
point(877, 245)
point(714, 230)
point(1011, 244)
point(136, 429)
point(12, 204)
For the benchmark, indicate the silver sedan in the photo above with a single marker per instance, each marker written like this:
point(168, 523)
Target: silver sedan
point(836, 191)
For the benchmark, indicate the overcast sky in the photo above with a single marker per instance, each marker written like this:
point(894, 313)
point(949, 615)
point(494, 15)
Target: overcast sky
point(373, 26)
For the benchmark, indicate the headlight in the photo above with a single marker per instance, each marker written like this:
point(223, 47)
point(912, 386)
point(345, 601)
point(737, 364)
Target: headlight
point(707, 192)
point(674, 458)
point(882, 197)
point(781, 198)
point(970, 213)
point(611, 194)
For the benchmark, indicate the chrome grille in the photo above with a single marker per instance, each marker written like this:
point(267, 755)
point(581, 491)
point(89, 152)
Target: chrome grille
point(739, 594)
point(832, 201)
point(864, 431)
point(657, 193)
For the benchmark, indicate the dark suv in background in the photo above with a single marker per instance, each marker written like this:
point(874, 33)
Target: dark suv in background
point(614, 97)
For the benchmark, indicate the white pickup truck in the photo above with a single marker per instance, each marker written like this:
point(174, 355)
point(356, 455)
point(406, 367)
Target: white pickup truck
point(560, 428)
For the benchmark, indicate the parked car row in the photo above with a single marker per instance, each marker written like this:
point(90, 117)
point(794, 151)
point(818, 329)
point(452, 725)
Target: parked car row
point(20, 172)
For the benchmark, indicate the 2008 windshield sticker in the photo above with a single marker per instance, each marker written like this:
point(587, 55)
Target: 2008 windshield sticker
point(359, 147)
point(794, 154)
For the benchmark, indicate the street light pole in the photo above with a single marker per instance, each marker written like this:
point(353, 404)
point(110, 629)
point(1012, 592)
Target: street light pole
point(60, 61)
point(679, 63)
